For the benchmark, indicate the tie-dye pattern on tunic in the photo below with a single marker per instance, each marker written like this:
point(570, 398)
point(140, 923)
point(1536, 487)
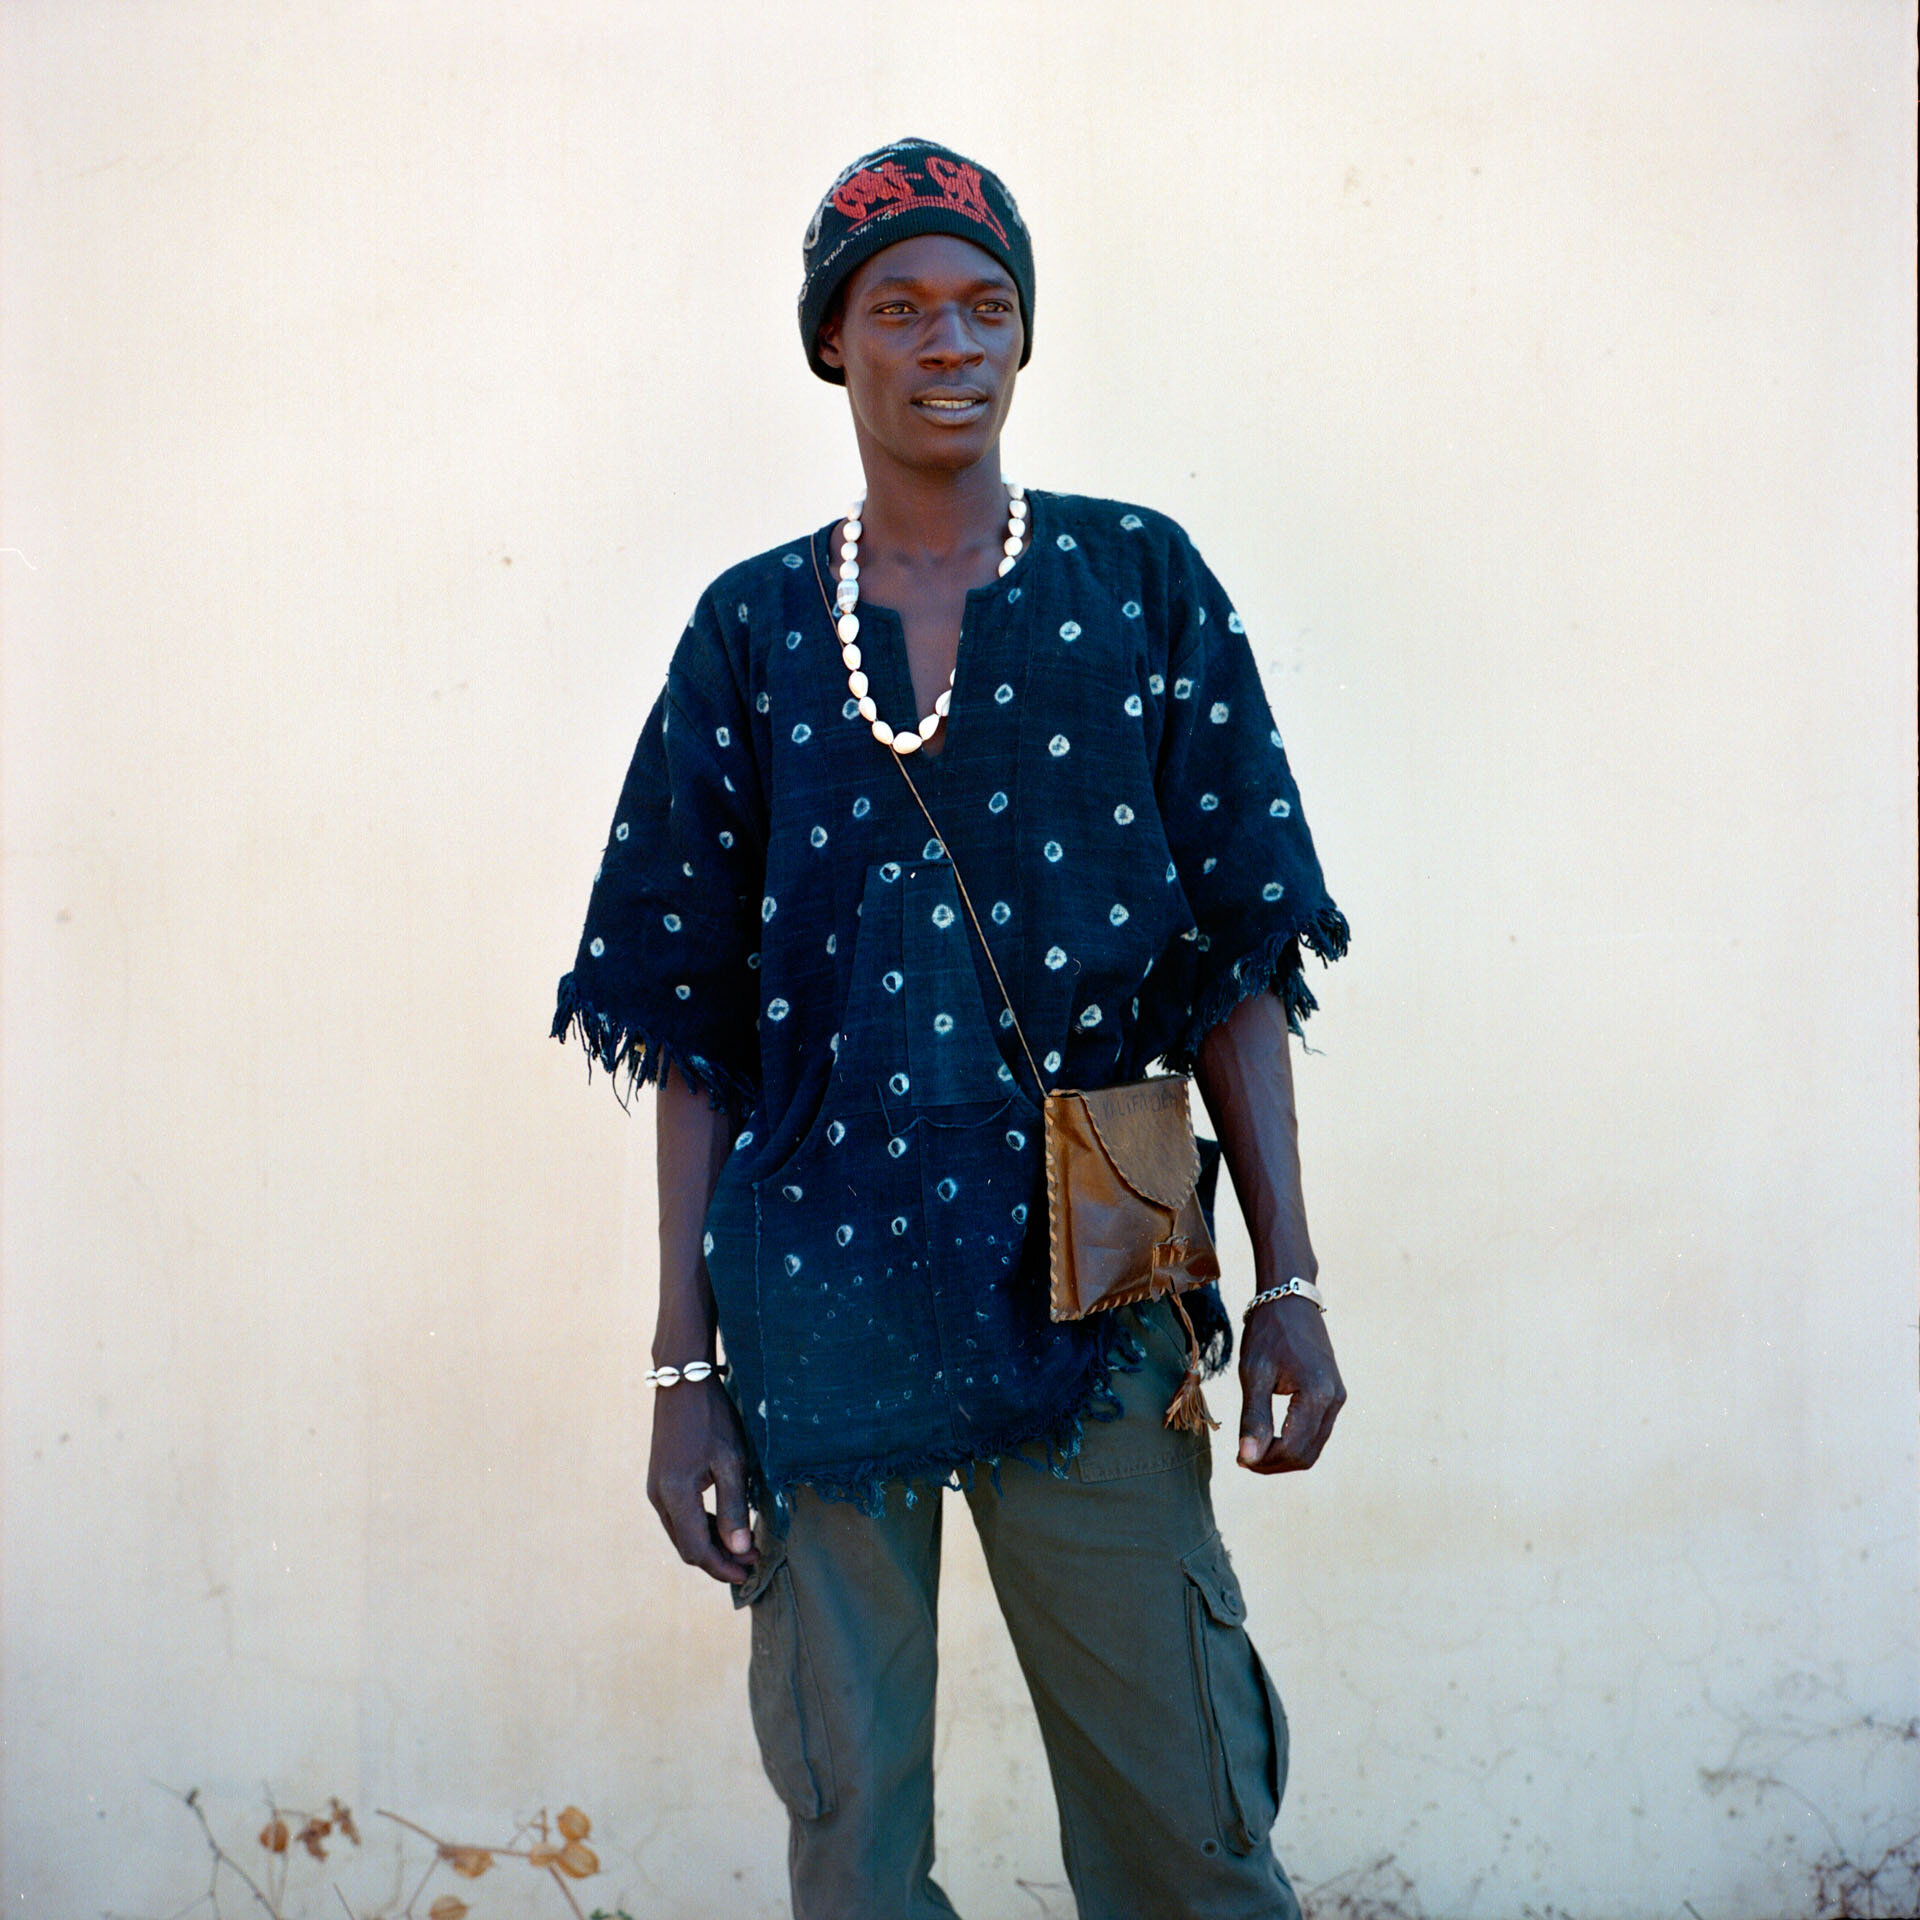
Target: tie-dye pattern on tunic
point(771, 917)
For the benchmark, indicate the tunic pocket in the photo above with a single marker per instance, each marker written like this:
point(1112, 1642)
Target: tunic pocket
point(789, 1717)
point(1242, 1724)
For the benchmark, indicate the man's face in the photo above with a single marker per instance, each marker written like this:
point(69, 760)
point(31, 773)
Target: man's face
point(928, 335)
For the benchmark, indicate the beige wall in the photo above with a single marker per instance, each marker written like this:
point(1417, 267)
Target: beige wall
point(380, 391)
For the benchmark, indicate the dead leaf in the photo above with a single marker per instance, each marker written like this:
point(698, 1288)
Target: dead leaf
point(574, 1824)
point(343, 1819)
point(274, 1835)
point(468, 1862)
point(543, 1856)
point(448, 1907)
point(578, 1859)
point(312, 1834)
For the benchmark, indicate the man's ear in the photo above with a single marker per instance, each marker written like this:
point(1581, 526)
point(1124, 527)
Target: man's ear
point(826, 336)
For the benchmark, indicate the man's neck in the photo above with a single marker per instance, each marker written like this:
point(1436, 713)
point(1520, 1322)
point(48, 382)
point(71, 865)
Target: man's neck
point(922, 519)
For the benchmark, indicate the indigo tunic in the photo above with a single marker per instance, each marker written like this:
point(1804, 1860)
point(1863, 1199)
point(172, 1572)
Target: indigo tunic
point(772, 918)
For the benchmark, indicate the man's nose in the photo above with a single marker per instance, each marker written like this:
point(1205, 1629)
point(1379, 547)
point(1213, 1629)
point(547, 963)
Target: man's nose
point(950, 339)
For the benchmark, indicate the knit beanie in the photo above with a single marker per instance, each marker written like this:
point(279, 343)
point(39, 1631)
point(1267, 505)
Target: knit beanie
point(910, 187)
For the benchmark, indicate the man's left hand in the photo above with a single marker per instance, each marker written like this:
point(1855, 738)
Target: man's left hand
point(1285, 1349)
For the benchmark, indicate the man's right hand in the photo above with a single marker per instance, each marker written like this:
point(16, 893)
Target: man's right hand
point(697, 1444)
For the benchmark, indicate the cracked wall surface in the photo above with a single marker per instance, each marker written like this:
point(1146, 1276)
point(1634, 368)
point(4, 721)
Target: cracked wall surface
point(381, 386)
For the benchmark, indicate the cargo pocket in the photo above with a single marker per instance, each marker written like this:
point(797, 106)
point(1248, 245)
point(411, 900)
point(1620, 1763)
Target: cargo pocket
point(1241, 1720)
point(789, 1718)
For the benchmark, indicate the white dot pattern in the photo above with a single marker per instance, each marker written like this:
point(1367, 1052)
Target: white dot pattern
point(1124, 670)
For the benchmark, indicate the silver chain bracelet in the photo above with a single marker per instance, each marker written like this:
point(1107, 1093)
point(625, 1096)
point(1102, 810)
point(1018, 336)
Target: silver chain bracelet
point(1304, 1288)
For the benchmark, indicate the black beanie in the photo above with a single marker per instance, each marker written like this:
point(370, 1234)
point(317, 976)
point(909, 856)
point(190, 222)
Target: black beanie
point(898, 191)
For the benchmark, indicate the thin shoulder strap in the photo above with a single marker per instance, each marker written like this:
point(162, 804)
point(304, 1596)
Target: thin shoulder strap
point(967, 902)
point(966, 899)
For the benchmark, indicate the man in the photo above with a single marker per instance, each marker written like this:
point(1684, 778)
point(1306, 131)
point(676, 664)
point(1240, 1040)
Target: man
point(806, 951)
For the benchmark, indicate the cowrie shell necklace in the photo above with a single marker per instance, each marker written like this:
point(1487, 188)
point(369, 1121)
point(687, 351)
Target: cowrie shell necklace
point(847, 625)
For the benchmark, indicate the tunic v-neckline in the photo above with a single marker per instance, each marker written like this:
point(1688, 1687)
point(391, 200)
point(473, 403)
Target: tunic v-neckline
point(899, 670)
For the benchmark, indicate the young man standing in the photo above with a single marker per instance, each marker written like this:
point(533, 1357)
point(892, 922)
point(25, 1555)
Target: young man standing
point(849, 1110)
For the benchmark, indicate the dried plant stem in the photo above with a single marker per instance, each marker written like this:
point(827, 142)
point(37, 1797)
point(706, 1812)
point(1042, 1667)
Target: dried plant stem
point(560, 1882)
point(421, 1886)
point(221, 1857)
point(451, 1846)
point(401, 1820)
point(445, 1849)
point(532, 1841)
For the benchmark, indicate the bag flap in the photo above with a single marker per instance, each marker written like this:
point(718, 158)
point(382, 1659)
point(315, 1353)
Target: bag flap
point(1147, 1135)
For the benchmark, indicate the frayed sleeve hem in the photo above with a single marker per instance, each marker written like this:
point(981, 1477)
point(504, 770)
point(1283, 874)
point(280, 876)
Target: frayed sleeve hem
point(1273, 966)
point(631, 1055)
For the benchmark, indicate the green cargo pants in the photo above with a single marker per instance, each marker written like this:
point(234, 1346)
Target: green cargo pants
point(1164, 1735)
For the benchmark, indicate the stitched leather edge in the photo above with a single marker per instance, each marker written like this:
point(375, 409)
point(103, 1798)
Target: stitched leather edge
point(1061, 1303)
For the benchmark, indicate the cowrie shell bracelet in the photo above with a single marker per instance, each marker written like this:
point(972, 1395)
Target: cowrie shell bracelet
point(672, 1376)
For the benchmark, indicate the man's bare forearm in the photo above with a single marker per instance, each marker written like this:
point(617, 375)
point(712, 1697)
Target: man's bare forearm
point(696, 1433)
point(1245, 1074)
point(692, 1140)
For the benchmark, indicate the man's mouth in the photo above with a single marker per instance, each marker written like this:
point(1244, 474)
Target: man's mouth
point(952, 406)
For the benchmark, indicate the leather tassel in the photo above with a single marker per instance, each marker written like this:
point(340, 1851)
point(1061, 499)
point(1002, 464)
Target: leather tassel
point(1187, 1412)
